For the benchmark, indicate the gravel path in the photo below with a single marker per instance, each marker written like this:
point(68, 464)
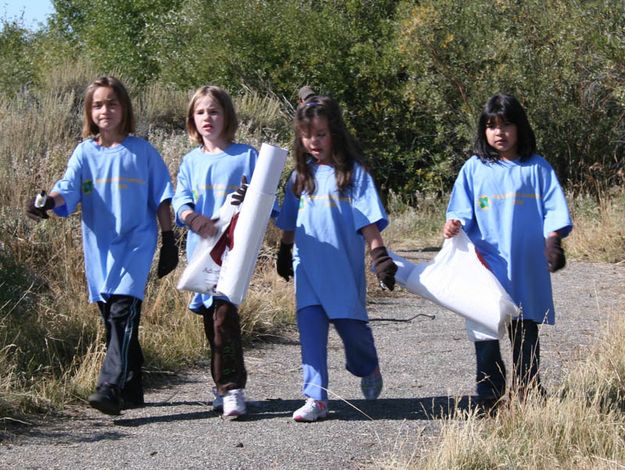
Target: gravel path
point(427, 364)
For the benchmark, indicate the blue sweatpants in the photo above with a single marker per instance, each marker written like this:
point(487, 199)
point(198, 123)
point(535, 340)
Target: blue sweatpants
point(361, 357)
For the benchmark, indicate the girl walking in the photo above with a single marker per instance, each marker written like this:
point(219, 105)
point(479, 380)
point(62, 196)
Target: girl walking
point(215, 168)
point(330, 209)
point(123, 187)
point(508, 200)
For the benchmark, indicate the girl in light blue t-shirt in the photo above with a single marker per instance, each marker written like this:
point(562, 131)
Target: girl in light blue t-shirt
point(330, 209)
point(123, 187)
point(510, 204)
point(208, 173)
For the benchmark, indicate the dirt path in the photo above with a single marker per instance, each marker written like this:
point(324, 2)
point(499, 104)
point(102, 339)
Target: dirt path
point(427, 365)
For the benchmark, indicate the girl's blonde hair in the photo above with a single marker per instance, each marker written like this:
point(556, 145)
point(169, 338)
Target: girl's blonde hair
point(231, 123)
point(90, 128)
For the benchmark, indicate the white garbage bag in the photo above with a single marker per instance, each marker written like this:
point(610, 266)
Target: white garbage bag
point(202, 273)
point(457, 280)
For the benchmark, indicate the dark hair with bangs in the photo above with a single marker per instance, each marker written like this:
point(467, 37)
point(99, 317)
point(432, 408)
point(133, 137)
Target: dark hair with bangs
point(345, 149)
point(508, 109)
point(127, 125)
point(221, 96)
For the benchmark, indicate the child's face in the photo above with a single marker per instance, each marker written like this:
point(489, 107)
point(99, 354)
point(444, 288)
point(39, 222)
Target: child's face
point(106, 110)
point(502, 136)
point(317, 140)
point(208, 116)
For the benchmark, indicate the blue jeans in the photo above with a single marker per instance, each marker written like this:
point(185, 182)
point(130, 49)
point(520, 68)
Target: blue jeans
point(361, 357)
point(491, 371)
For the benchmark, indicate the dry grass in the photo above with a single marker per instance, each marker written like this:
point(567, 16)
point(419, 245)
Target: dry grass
point(599, 233)
point(580, 426)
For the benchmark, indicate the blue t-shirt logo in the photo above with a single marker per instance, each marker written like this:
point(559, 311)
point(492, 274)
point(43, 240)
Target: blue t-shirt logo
point(484, 202)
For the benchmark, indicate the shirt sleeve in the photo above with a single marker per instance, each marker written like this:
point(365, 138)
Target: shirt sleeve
point(367, 207)
point(556, 211)
point(461, 201)
point(184, 192)
point(287, 218)
point(70, 185)
point(161, 188)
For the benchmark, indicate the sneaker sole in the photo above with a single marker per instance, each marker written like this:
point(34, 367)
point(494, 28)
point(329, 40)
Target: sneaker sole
point(301, 419)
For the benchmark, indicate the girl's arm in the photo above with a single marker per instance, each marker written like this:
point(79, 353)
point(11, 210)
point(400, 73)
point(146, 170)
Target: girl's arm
point(372, 236)
point(163, 214)
point(168, 256)
point(288, 237)
point(284, 263)
point(384, 266)
point(451, 228)
point(58, 199)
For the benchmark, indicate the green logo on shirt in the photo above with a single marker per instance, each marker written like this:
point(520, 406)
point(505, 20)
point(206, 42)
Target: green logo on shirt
point(484, 202)
point(87, 186)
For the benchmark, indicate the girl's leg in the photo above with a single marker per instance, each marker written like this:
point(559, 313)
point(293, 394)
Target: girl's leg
point(313, 325)
point(491, 370)
point(223, 331)
point(525, 355)
point(124, 357)
point(361, 357)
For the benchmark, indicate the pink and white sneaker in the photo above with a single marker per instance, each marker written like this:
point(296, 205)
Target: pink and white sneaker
point(312, 410)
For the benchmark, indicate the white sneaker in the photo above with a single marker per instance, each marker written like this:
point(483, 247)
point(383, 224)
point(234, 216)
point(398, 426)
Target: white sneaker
point(311, 411)
point(218, 401)
point(234, 403)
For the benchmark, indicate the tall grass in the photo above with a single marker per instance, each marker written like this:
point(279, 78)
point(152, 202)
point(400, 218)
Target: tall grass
point(579, 426)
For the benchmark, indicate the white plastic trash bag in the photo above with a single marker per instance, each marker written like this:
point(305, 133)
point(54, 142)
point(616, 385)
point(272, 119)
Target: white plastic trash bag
point(457, 280)
point(202, 273)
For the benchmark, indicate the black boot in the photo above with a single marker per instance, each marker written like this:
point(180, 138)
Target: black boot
point(107, 399)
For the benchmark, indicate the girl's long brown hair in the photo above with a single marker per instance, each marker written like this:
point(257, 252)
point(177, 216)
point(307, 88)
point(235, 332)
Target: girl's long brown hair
point(345, 149)
point(89, 128)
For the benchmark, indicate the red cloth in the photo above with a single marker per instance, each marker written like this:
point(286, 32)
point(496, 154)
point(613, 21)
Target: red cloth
point(225, 241)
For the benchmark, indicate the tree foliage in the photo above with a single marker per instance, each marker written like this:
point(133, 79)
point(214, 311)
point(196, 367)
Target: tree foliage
point(410, 76)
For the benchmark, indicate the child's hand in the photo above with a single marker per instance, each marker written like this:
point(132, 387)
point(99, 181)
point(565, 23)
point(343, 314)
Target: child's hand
point(384, 267)
point(554, 253)
point(451, 228)
point(239, 194)
point(284, 263)
point(201, 225)
point(168, 256)
point(37, 208)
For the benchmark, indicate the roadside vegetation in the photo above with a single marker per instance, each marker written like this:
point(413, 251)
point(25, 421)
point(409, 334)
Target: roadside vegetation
point(411, 77)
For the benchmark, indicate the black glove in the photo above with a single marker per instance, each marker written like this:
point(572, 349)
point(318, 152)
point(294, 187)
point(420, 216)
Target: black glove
point(384, 267)
point(239, 194)
point(554, 253)
point(39, 213)
point(168, 256)
point(284, 263)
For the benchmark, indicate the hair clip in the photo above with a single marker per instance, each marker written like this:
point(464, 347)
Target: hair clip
point(312, 102)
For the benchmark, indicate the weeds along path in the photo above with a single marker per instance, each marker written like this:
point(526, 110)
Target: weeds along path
point(427, 364)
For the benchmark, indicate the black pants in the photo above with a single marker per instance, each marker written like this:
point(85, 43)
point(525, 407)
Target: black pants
point(123, 361)
point(223, 332)
point(491, 371)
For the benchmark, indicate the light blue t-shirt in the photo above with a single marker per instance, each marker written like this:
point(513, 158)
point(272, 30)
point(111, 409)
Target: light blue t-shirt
point(508, 208)
point(204, 181)
point(119, 189)
point(329, 253)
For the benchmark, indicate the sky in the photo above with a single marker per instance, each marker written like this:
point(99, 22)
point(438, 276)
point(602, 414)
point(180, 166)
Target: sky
point(33, 11)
